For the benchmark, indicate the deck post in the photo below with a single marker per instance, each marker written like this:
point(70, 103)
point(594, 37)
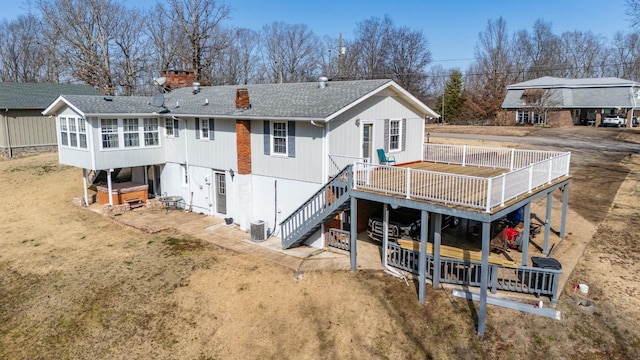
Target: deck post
point(109, 186)
point(422, 260)
point(352, 175)
point(488, 207)
point(464, 155)
point(513, 154)
point(504, 186)
point(437, 240)
point(565, 200)
point(353, 236)
point(84, 186)
point(530, 178)
point(484, 278)
point(550, 170)
point(408, 196)
point(525, 234)
point(547, 225)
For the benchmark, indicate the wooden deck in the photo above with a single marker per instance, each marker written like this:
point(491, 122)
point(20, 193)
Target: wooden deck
point(452, 185)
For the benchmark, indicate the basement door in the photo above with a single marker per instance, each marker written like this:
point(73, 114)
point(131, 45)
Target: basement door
point(221, 193)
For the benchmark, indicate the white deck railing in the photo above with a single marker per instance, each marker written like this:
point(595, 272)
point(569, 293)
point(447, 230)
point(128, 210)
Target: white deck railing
point(338, 162)
point(472, 191)
point(498, 158)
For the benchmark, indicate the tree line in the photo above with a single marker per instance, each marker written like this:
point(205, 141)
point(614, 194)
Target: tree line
point(120, 50)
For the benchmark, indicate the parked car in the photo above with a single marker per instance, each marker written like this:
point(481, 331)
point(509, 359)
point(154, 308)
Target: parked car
point(403, 223)
point(614, 120)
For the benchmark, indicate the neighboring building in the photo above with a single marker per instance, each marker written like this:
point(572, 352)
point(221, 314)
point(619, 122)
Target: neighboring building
point(254, 152)
point(565, 102)
point(23, 129)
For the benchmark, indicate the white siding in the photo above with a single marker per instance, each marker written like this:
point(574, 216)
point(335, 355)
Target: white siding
point(305, 166)
point(346, 138)
point(219, 153)
point(77, 157)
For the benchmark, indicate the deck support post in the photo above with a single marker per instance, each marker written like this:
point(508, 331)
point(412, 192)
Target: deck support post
point(408, 195)
point(565, 200)
point(464, 155)
point(547, 225)
point(353, 236)
point(84, 186)
point(422, 260)
point(437, 240)
point(513, 154)
point(109, 186)
point(484, 278)
point(525, 234)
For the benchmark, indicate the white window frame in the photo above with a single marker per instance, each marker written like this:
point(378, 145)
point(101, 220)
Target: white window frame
point(129, 134)
point(392, 135)
point(64, 131)
point(168, 128)
point(205, 130)
point(103, 134)
point(521, 115)
point(82, 133)
point(274, 139)
point(151, 131)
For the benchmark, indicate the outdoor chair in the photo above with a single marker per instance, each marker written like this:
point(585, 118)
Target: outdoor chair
point(384, 159)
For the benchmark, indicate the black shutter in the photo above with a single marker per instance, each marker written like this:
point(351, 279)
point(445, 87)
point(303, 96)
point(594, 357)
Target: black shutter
point(176, 128)
point(291, 139)
point(267, 138)
point(211, 129)
point(404, 134)
point(386, 135)
point(197, 128)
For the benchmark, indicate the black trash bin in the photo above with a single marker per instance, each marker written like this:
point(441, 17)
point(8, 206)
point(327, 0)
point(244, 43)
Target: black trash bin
point(544, 281)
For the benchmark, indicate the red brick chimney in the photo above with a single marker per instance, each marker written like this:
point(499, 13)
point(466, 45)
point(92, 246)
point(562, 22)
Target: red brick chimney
point(242, 99)
point(177, 79)
point(243, 146)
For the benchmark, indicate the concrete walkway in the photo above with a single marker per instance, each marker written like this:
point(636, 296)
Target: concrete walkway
point(215, 231)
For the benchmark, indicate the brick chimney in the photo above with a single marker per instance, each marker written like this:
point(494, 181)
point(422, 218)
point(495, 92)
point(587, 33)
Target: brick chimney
point(177, 79)
point(242, 99)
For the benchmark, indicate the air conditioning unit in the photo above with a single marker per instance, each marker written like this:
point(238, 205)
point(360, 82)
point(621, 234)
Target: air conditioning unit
point(258, 230)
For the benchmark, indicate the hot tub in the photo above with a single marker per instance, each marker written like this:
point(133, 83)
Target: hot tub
point(121, 192)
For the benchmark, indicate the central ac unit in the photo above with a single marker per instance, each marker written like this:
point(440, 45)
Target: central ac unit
point(258, 230)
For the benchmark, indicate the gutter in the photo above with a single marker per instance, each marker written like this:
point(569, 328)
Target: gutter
point(6, 124)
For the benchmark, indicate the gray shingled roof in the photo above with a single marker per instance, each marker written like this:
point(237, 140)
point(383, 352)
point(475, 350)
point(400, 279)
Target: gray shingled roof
point(37, 95)
point(548, 82)
point(577, 93)
point(294, 100)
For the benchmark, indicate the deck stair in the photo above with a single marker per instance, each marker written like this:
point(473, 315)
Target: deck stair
point(99, 176)
point(326, 203)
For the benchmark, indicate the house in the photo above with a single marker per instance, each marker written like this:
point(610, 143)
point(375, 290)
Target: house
point(251, 153)
point(23, 129)
point(566, 102)
point(301, 161)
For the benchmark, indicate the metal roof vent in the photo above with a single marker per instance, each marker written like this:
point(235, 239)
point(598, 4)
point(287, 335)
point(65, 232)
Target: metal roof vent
point(322, 82)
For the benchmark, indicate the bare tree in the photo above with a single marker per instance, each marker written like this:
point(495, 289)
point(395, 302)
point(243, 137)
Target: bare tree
point(408, 58)
point(131, 62)
point(23, 55)
point(581, 53)
point(239, 62)
point(624, 60)
point(201, 24)
point(290, 52)
point(540, 101)
point(541, 49)
point(487, 79)
point(85, 30)
point(168, 42)
point(372, 36)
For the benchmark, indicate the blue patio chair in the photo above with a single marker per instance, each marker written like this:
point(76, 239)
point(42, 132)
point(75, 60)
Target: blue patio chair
point(384, 159)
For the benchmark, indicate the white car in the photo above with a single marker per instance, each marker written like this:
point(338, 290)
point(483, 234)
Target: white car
point(614, 120)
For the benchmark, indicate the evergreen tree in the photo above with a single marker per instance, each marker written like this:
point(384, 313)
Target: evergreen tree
point(450, 104)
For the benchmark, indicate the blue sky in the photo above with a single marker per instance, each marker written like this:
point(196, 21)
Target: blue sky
point(451, 26)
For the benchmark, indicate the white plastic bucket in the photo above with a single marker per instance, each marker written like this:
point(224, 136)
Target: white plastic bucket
point(584, 288)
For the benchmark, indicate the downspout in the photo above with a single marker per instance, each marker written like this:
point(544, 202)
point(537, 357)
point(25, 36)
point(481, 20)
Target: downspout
point(6, 125)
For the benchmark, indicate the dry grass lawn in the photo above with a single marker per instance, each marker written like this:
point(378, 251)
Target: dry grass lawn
point(77, 285)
